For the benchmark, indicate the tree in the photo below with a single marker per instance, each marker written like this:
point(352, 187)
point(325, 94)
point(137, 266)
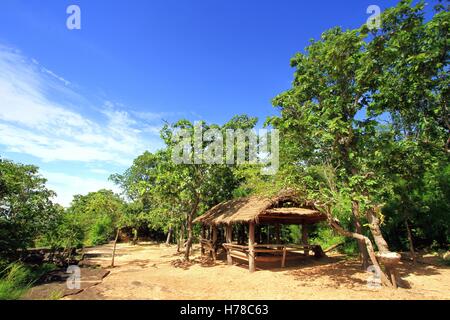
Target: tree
point(98, 214)
point(346, 87)
point(26, 207)
point(191, 187)
point(172, 194)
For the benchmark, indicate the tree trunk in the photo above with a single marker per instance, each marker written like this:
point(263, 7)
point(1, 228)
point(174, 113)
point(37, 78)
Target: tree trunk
point(305, 238)
point(363, 255)
point(181, 237)
point(384, 278)
point(277, 234)
point(374, 225)
point(169, 236)
point(114, 248)
point(241, 236)
point(187, 252)
point(190, 217)
point(411, 243)
point(390, 262)
point(135, 237)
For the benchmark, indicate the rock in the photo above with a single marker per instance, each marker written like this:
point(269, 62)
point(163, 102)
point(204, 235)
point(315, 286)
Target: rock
point(446, 256)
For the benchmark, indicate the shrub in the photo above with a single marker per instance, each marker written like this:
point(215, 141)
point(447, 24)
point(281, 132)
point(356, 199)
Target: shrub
point(101, 231)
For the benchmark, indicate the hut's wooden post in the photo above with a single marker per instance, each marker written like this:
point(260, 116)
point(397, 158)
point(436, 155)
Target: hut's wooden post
point(214, 241)
point(277, 233)
point(305, 241)
point(229, 236)
point(251, 247)
point(203, 238)
point(283, 260)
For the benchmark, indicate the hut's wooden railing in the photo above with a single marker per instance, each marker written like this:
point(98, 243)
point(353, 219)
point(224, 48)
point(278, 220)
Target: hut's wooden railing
point(242, 252)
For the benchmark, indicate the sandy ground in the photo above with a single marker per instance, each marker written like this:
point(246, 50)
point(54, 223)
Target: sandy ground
point(151, 271)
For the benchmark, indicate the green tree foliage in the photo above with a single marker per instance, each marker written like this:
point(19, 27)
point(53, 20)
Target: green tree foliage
point(26, 209)
point(97, 215)
point(167, 195)
point(63, 232)
point(366, 120)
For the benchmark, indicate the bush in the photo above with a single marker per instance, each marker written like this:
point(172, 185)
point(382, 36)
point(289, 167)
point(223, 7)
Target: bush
point(101, 231)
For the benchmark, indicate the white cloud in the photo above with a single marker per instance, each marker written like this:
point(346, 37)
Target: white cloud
point(69, 185)
point(34, 120)
point(100, 171)
point(32, 123)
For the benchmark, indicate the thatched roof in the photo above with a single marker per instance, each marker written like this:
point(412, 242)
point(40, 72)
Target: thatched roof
point(282, 209)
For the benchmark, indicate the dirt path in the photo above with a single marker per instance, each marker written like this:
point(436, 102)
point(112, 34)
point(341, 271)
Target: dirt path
point(147, 271)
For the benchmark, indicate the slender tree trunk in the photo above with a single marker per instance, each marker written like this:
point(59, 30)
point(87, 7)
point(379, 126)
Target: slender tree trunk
point(114, 248)
point(181, 237)
point(190, 217)
point(187, 252)
point(135, 236)
point(305, 238)
point(411, 243)
point(241, 234)
point(363, 254)
point(277, 234)
point(169, 236)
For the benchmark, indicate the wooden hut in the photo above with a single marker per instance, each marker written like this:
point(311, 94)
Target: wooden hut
point(256, 212)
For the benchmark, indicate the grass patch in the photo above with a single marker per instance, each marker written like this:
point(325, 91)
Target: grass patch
point(55, 295)
point(16, 279)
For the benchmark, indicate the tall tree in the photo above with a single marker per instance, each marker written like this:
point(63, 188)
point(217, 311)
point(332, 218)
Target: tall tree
point(353, 90)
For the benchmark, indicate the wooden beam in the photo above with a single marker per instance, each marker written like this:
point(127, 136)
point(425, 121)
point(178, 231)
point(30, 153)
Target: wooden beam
point(283, 260)
point(214, 242)
point(203, 238)
point(251, 247)
point(229, 237)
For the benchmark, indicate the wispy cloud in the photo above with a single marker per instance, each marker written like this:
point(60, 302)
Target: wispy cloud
point(37, 118)
point(32, 122)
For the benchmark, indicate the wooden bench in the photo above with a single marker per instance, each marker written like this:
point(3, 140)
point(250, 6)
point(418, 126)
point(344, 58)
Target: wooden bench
point(270, 252)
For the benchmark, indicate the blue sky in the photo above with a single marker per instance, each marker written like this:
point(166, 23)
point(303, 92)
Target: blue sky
point(82, 104)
